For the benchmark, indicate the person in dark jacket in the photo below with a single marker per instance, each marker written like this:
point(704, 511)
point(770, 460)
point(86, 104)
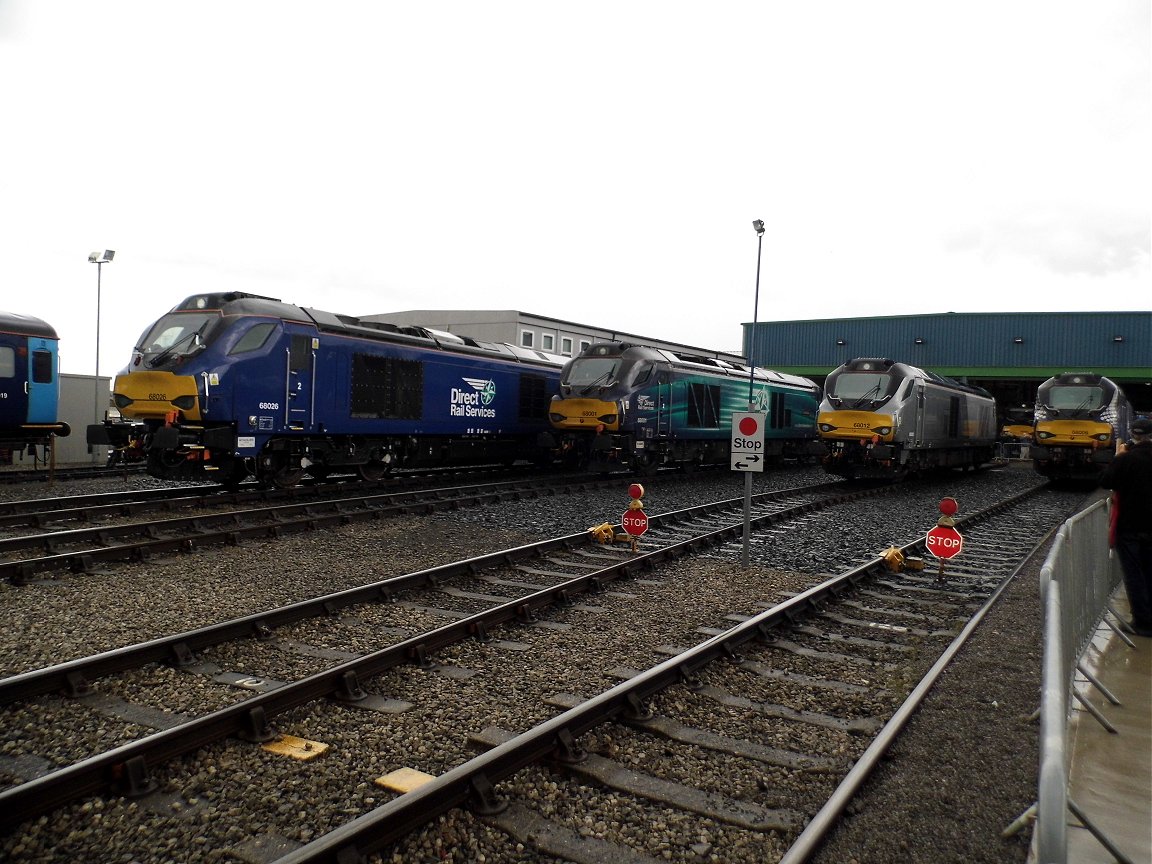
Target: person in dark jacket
point(1130, 478)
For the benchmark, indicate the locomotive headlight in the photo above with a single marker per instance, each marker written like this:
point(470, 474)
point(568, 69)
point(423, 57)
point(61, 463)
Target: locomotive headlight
point(607, 419)
point(1043, 435)
point(1103, 436)
point(883, 430)
point(121, 400)
point(184, 403)
point(827, 427)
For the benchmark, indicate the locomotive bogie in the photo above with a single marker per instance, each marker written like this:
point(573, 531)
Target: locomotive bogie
point(249, 386)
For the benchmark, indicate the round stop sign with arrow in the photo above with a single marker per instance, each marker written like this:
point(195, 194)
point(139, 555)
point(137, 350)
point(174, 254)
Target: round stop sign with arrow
point(944, 542)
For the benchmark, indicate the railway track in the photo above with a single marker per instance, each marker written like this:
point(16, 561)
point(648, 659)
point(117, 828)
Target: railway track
point(51, 475)
point(225, 517)
point(908, 611)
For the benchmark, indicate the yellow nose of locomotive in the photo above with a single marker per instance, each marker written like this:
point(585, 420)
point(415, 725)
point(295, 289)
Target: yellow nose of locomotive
point(155, 395)
point(584, 414)
point(854, 425)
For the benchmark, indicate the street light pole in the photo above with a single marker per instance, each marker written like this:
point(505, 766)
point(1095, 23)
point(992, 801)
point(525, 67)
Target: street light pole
point(747, 538)
point(759, 226)
point(99, 259)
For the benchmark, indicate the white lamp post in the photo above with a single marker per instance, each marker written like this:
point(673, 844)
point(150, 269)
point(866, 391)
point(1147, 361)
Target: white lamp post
point(99, 259)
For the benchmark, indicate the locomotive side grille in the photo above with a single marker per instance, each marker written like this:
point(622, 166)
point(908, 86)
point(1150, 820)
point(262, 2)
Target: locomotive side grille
point(387, 387)
point(535, 396)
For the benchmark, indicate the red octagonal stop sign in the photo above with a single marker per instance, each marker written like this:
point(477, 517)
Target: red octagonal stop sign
point(944, 542)
point(634, 522)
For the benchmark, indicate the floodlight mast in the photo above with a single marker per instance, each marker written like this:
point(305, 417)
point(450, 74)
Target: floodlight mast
point(99, 259)
point(759, 226)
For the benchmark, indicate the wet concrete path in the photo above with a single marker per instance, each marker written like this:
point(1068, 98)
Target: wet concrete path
point(1110, 777)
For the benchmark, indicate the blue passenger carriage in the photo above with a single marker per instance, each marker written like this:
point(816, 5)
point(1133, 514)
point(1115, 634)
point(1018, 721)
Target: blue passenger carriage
point(29, 383)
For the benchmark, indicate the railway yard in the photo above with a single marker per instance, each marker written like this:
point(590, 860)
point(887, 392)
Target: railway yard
point(454, 669)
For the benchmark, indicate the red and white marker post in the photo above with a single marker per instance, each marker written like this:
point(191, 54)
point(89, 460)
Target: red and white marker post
point(944, 541)
point(635, 520)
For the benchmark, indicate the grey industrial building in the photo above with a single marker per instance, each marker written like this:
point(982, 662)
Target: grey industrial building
point(529, 330)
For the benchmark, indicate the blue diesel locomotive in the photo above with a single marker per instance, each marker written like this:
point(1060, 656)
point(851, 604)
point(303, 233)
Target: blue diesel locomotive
point(233, 385)
point(638, 408)
point(29, 383)
point(883, 420)
point(1079, 417)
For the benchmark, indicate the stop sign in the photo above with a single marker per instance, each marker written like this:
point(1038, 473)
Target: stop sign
point(944, 542)
point(634, 522)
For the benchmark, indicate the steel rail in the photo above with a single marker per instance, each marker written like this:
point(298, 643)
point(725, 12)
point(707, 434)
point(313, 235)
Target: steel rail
point(74, 677)
point(822, 823)
point(473, 782)
point(125, 768)
point(186, 532)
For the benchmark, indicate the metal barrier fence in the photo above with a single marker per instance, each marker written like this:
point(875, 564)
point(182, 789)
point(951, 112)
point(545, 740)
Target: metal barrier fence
point(1076, 581)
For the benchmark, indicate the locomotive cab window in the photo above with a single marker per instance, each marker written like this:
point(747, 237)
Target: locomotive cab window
point(1077, 398)
point(254, 339)
point(641, 373)
point(860, 387)
point(176, 336)
point(300, 352)
point(592, 372)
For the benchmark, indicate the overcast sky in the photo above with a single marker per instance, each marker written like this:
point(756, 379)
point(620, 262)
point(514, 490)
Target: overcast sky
point(599, 162)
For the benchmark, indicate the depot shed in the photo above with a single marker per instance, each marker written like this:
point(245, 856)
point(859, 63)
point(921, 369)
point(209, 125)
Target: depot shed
point(1009, 354)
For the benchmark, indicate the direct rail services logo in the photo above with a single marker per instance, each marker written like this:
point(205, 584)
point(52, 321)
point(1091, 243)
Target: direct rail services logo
point(474, 402)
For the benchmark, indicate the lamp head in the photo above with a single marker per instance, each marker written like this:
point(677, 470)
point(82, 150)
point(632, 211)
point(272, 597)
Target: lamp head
point(759, 226)
point(105, 258)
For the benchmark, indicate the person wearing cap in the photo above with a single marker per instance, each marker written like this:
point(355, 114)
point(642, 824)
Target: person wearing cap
point(1129, 476)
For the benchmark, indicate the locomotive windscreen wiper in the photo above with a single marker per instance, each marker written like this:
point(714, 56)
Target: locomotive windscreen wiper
point(867, 397)
point(601, 380)
point(171, 349)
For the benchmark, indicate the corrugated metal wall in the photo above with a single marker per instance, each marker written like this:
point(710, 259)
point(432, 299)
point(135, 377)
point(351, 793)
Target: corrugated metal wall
point(1012, 342)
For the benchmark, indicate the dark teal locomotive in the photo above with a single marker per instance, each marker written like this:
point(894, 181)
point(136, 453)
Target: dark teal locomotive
point(634, 407)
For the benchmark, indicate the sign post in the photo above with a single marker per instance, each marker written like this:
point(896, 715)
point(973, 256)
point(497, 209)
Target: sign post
point(635, 520)
point(944, 541)
point(746, 452)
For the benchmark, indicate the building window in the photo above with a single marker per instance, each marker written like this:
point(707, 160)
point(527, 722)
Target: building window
point(547, 341)
point(584, 343)
point(526, 338)
point(566, 347)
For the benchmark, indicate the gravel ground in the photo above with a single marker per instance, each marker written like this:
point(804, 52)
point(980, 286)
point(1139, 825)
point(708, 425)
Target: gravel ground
point(927, 803)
